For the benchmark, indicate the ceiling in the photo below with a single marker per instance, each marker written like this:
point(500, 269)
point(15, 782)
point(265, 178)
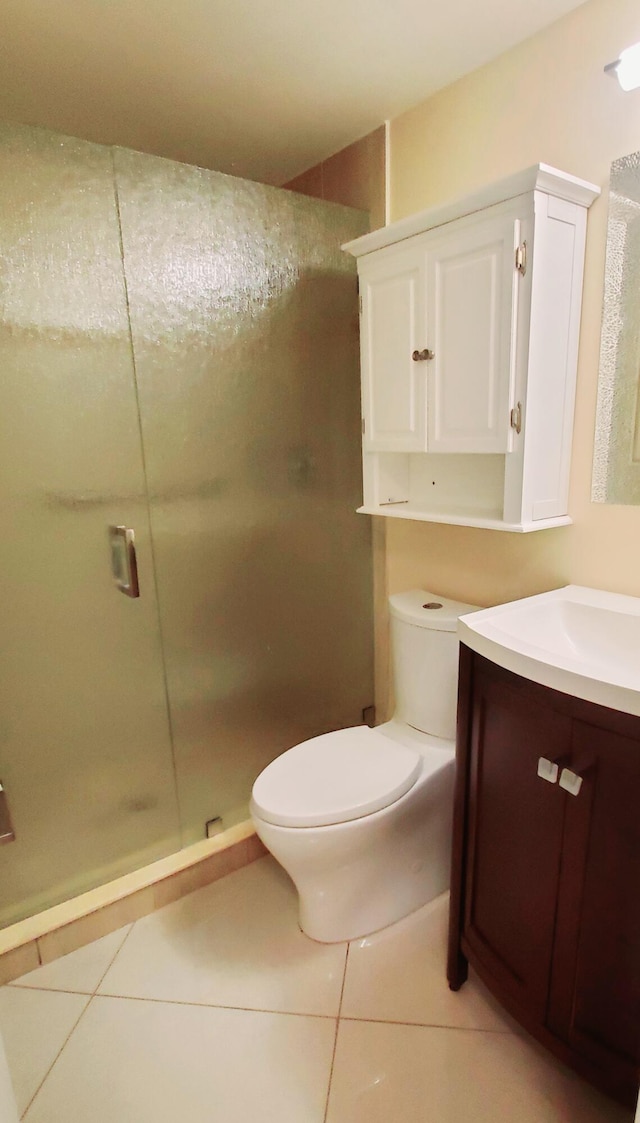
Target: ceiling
point(259, 88)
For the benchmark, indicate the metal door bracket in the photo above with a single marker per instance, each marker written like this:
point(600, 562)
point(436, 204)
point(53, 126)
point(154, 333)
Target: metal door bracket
point(7, 833)
point(516, 417)
point(369, 716)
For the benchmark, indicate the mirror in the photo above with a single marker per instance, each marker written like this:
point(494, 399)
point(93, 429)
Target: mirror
point(616, 464)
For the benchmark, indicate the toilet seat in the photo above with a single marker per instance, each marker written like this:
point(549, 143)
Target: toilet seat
point(335, 778)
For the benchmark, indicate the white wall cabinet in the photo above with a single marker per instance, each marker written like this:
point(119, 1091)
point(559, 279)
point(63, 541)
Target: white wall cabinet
point(469, 335)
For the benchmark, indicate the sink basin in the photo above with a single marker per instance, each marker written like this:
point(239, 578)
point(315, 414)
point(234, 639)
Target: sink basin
point(584, 642)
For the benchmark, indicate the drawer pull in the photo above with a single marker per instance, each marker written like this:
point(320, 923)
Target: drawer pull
point(547, 770)
point(570, 781)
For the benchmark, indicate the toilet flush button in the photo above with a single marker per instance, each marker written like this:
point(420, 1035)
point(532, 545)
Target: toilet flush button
point(432, 604)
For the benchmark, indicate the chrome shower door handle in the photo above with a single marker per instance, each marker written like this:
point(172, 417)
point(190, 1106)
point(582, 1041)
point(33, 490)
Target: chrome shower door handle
point(124, 565)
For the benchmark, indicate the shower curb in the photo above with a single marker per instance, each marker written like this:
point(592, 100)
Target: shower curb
point(65, 927)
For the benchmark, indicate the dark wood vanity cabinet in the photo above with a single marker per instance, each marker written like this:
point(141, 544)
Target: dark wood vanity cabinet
point(545, 894)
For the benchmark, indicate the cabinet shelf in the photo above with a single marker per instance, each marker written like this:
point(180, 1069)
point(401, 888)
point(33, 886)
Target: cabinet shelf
point(490, 521)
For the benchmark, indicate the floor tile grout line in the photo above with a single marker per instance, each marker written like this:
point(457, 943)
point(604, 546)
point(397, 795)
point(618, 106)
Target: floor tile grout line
point(335, 1039)
point(57, 1056)
point(344, 980)
point(15, 984)
point(214, 1006)
point(50, 990)
point(429, 1025)
point(113, 959)
point(264, 1009)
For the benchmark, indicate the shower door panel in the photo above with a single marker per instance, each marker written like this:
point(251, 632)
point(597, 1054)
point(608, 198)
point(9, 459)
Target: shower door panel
point(85, 753)
point(245, 333)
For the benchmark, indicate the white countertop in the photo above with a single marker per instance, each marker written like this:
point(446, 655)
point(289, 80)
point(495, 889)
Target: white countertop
point(584, 642)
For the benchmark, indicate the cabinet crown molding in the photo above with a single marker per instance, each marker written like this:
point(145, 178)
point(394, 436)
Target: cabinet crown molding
point(539, 177)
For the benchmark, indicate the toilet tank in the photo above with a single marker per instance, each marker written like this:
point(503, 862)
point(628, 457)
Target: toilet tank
point(424, 647)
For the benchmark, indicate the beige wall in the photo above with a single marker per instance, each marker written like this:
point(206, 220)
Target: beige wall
point(545, 100)
point(355, 177)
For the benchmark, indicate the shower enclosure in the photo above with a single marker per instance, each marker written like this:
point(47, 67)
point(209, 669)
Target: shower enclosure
point(179, 357)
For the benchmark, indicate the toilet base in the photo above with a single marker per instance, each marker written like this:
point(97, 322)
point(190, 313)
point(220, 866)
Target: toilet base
point(357, 877)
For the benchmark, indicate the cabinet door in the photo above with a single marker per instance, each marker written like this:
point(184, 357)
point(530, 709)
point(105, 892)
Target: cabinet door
point(471, 297)
point(595, 995)
point(514, 839)
point(393, 383)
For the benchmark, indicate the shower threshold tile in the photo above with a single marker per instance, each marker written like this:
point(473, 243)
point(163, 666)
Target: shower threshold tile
point(80, 970)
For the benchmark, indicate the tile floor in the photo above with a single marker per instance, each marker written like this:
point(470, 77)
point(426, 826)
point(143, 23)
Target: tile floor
point(218, 1008)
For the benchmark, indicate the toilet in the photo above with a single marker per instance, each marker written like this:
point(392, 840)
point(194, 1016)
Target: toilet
point(361, 818)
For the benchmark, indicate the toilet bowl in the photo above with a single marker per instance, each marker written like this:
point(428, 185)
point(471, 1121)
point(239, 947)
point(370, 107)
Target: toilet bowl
point(361, 818)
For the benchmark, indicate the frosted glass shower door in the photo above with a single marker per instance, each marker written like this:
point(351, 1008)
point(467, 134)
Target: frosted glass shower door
point(244, 322)
point(85, 753)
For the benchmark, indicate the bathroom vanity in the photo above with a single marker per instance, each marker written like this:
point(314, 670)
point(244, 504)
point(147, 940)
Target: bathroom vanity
point(546, 868)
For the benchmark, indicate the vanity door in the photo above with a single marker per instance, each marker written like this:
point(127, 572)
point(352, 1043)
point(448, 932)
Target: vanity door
point(514, 838)
point(547, 866)
point(595, 989)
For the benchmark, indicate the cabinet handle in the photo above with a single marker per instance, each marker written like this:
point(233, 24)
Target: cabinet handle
point(570, 781)
point(547, 770)
point(420, 356)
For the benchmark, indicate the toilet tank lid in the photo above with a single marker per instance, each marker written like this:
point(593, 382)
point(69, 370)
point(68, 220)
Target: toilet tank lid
point(335, 778)
point(428, 610)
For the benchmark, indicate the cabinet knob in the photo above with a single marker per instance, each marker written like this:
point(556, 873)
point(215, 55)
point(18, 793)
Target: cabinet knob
point(547, 770)
point(570, 781)
point(420, 356)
